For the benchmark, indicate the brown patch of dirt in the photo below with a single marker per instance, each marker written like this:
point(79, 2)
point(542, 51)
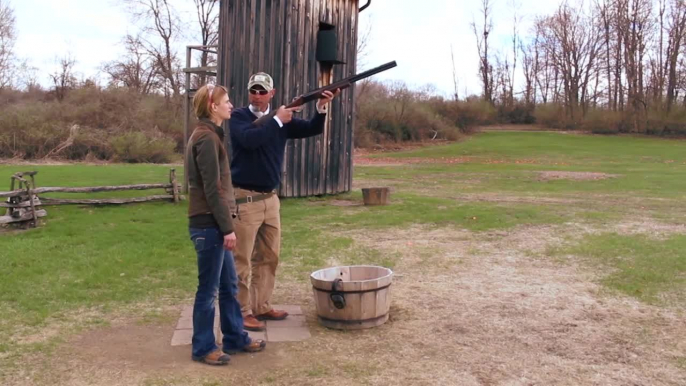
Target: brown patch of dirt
point(502, 198)
point(147, 349)
point(512, 127)
point(398, 146)
point(391, 161)
point(484, 309)
point(576, 176)
point(129, 353)
point(344, 203)
point(646, 227)
point(650, 228)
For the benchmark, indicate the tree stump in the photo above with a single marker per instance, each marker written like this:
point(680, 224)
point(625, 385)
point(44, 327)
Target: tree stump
point(376, 196)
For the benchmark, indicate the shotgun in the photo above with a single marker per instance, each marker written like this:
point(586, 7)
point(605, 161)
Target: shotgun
point(317, 94)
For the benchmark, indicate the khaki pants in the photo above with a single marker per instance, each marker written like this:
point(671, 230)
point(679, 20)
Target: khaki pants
point(258, 243)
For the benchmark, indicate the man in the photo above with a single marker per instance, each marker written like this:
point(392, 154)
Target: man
point(258, 152)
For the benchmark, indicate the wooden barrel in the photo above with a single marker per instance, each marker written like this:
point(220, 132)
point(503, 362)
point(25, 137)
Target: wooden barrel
point(376, 196)
point(352, 297)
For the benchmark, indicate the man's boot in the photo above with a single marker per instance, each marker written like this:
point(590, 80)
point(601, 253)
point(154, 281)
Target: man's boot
point(250, 323)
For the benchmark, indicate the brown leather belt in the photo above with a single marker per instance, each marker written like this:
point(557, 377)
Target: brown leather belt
point(254, 198)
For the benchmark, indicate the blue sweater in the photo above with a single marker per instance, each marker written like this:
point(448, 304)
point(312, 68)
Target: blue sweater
point(258, 151)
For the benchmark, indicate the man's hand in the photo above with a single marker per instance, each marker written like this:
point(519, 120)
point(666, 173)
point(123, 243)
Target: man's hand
point(284, 114)
point(327, 96)
point(230, 241)
point(297, 109)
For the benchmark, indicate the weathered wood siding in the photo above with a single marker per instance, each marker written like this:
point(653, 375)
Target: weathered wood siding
point(280, 37)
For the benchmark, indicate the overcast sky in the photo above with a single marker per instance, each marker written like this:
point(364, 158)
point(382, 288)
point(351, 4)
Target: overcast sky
point(417, 34)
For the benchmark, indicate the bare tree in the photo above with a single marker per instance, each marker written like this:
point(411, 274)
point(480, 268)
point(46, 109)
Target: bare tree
point(546, 74)
point(516, 19)
point(160, 31)
point(208, 20)
point(677, 29)
point(363, 44)
point(633, 19)
point(365, 86)
point(604, 12)
point(136, 70)
point(502, 81)
point(658, 64)
point(452, 57)
point(530, 66)
point(28, 76)
point(402, 97)
point(64, 79)
point(572, 39)
point(481, 34)
point(7, 40)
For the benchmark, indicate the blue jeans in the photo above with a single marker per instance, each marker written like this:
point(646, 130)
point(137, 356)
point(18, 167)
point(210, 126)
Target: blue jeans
point(216, 272)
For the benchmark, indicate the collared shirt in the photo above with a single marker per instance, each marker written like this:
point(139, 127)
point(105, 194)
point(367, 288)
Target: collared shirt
point(321, 110)
point(259, 113)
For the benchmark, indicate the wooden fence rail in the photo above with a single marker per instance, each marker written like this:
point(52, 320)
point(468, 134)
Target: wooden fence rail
point(23, 204)
point(85, 189)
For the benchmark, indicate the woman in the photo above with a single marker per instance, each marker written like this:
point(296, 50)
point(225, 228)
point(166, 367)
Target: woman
point(211, 210)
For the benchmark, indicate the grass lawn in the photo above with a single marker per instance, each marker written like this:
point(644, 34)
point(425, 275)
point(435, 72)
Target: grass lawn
point(106, 259)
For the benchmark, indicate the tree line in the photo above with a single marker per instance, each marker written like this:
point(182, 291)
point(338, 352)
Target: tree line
point(625, 57)
point(609, 66)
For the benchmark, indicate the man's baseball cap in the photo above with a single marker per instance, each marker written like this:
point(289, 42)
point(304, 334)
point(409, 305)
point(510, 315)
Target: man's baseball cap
point(261, 79)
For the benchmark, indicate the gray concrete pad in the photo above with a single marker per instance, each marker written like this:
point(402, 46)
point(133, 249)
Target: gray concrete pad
point(184, 323)
point(257, 335)
point(290, 321)
point(287, 334)
point(182, 337)
point(292, 329)
point(292, 310)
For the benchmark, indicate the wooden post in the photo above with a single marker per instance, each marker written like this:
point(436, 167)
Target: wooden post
point(29, 191)
point(174, 185)
point(376, 196)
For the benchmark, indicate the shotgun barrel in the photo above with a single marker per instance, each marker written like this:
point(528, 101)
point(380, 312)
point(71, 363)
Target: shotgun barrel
point(317, 94)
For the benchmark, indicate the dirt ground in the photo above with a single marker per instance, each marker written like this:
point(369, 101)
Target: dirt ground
point(468, 309)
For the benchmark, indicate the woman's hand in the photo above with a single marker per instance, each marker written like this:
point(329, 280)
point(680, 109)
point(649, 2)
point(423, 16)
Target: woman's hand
point(230, 241)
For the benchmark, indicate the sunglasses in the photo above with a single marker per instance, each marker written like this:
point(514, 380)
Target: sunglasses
point(210, 88)
point(210, 92)
point(258, 92)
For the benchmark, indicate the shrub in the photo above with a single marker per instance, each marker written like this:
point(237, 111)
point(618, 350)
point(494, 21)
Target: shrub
point(32, 125)
point(394, 113)
point(469, 114)
point(667, 125)
point(604, 122)
point(518, 113)
point(551, 115)
point(141, 147)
